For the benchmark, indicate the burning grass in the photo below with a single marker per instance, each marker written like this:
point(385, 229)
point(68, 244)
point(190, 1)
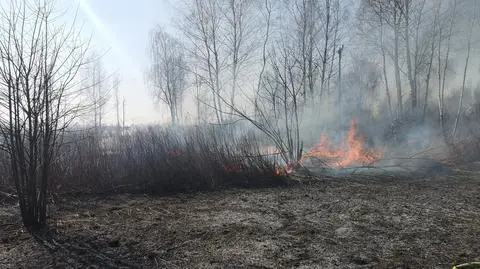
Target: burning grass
point(351, 152)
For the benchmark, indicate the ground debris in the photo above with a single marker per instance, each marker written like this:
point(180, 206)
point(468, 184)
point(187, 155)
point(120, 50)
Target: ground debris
point(331, 223)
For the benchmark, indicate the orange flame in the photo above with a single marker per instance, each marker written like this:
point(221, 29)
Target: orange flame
point(279, 171)
point(285, 169)
point(352, 151)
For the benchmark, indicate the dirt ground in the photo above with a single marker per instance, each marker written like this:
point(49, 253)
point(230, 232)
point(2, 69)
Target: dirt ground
point(356, 222)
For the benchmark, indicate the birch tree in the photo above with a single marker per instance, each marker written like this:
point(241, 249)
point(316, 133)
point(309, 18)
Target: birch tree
point(393, 14)
point(98, 89)
point(472, 23)
point(116, 85)
point(167, 73)
point(375, 31)
point(202, 26)
point(443, 60)
point(317, 31)
point(240, 36)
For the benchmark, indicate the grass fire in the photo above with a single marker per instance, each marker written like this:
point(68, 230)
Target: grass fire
point(239, 134)
point(352, 152)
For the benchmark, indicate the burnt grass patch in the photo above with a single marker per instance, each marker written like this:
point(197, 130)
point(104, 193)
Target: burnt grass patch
point(428, 222)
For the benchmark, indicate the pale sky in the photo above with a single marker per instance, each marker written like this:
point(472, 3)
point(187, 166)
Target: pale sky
point(122, 27)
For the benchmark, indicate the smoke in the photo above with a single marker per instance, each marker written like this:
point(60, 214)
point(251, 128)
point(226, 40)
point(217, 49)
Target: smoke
point(407, 144)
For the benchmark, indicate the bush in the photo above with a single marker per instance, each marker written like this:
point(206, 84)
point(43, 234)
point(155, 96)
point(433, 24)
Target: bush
point(158, 161)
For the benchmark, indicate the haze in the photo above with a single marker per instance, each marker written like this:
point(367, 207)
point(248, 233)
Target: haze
point(122, 28)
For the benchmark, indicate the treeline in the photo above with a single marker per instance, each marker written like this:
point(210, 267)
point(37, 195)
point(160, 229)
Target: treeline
point(280, 64)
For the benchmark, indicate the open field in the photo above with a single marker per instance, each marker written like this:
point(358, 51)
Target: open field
point(389, 222)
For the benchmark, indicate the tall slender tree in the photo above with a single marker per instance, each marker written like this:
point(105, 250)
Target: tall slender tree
point(167, 73)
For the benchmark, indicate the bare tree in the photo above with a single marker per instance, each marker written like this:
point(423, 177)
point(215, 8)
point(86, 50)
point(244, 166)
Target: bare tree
point(432, 48)
point(98, 89)
point(202, 25)
point(266, 39)
point(317, 25)
point(473, 20)
point(420, 29)
point(331, 32)
point(278, 94)
point(240, 35)
point(123, 115)
point(279, 99)
point(416, 29)
point(374, 29)
point(40, 59)
point(393, 14)
point(285, 89)
point(197, 83)
point(306, 33)
point(167, 72)
point(116, 84)
point(384, 65)
point(443, 62)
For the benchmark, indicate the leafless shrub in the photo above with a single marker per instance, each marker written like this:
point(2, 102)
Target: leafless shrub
point(156, 160)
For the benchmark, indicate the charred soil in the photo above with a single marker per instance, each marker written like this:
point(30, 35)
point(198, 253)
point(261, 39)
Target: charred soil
point(387, 222)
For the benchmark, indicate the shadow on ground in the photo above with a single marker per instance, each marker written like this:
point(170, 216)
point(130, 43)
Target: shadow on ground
point(81, 250)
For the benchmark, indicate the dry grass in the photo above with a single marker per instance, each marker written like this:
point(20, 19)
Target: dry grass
point(333, 223)
point(162, 161)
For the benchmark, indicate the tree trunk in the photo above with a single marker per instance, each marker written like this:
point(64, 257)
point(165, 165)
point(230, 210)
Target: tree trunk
point(413, 86)
point(460, 101)
point(430, 64)
point(325, 49)
point(173, 114)
point(397, 70)
point(384, 63)
point(340, 50)
point(442, 80)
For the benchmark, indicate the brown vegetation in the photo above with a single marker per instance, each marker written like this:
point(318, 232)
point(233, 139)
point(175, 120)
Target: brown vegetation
point(361, 222)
